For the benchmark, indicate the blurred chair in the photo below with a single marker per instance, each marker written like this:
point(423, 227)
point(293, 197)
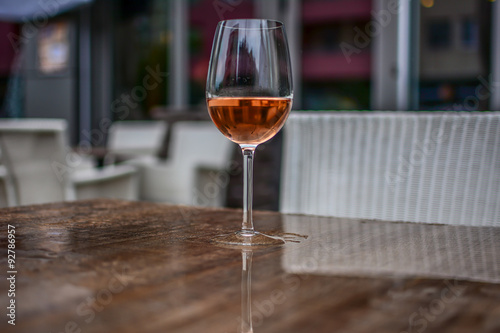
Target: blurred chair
point(194, 172)
point(400, 166)
point(132, 139)
point(7, 192)
point(41, 167)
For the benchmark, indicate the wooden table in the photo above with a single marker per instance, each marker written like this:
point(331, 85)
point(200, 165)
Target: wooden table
point(116, 266)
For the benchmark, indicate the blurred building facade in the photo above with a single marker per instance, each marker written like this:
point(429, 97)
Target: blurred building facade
point(106, 60)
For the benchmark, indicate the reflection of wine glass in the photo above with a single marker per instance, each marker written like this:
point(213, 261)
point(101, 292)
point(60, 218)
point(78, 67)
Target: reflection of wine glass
point(246, 291)
point(249, 96)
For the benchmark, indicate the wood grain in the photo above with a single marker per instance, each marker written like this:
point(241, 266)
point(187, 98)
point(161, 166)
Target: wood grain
point(115, 266)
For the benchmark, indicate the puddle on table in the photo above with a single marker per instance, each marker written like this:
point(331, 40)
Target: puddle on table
point(258, 240)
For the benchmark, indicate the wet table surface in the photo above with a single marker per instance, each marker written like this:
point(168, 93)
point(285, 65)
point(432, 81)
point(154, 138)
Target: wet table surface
point(116, 266)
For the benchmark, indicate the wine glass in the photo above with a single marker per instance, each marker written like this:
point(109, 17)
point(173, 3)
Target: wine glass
point(249, 96)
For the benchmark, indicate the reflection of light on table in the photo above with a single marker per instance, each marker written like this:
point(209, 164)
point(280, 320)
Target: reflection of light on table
point(359, 247)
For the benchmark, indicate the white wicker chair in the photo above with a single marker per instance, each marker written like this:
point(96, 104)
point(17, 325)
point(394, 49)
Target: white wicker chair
point(41, 167)
point(398, 166)
point(132, 139)
point(194, 172)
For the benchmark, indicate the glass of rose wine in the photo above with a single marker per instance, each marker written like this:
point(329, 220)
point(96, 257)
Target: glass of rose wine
point(249, 96)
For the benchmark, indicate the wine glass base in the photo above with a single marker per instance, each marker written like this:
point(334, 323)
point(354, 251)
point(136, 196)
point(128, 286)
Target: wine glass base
point(243, 239)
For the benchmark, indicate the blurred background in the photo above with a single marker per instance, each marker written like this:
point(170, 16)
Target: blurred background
point(86, 61)
point(78, 62)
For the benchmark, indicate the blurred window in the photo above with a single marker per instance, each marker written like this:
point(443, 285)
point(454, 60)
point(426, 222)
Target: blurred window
point(439, 34)
point(469, 33)
point(455, 55)
point(142, 40)
point(336, 54)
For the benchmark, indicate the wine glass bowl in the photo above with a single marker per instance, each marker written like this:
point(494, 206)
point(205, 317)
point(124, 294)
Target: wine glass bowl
point(249, 96)
point(251, 120)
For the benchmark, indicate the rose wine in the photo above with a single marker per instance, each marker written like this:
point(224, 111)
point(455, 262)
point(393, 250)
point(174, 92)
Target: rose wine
point(249, 120)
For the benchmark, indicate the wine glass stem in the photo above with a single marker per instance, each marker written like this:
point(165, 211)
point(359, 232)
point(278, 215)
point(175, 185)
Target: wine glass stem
point(248, 154)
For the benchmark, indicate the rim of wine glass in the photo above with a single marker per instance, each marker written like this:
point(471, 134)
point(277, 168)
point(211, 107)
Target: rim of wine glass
point(278, 24)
